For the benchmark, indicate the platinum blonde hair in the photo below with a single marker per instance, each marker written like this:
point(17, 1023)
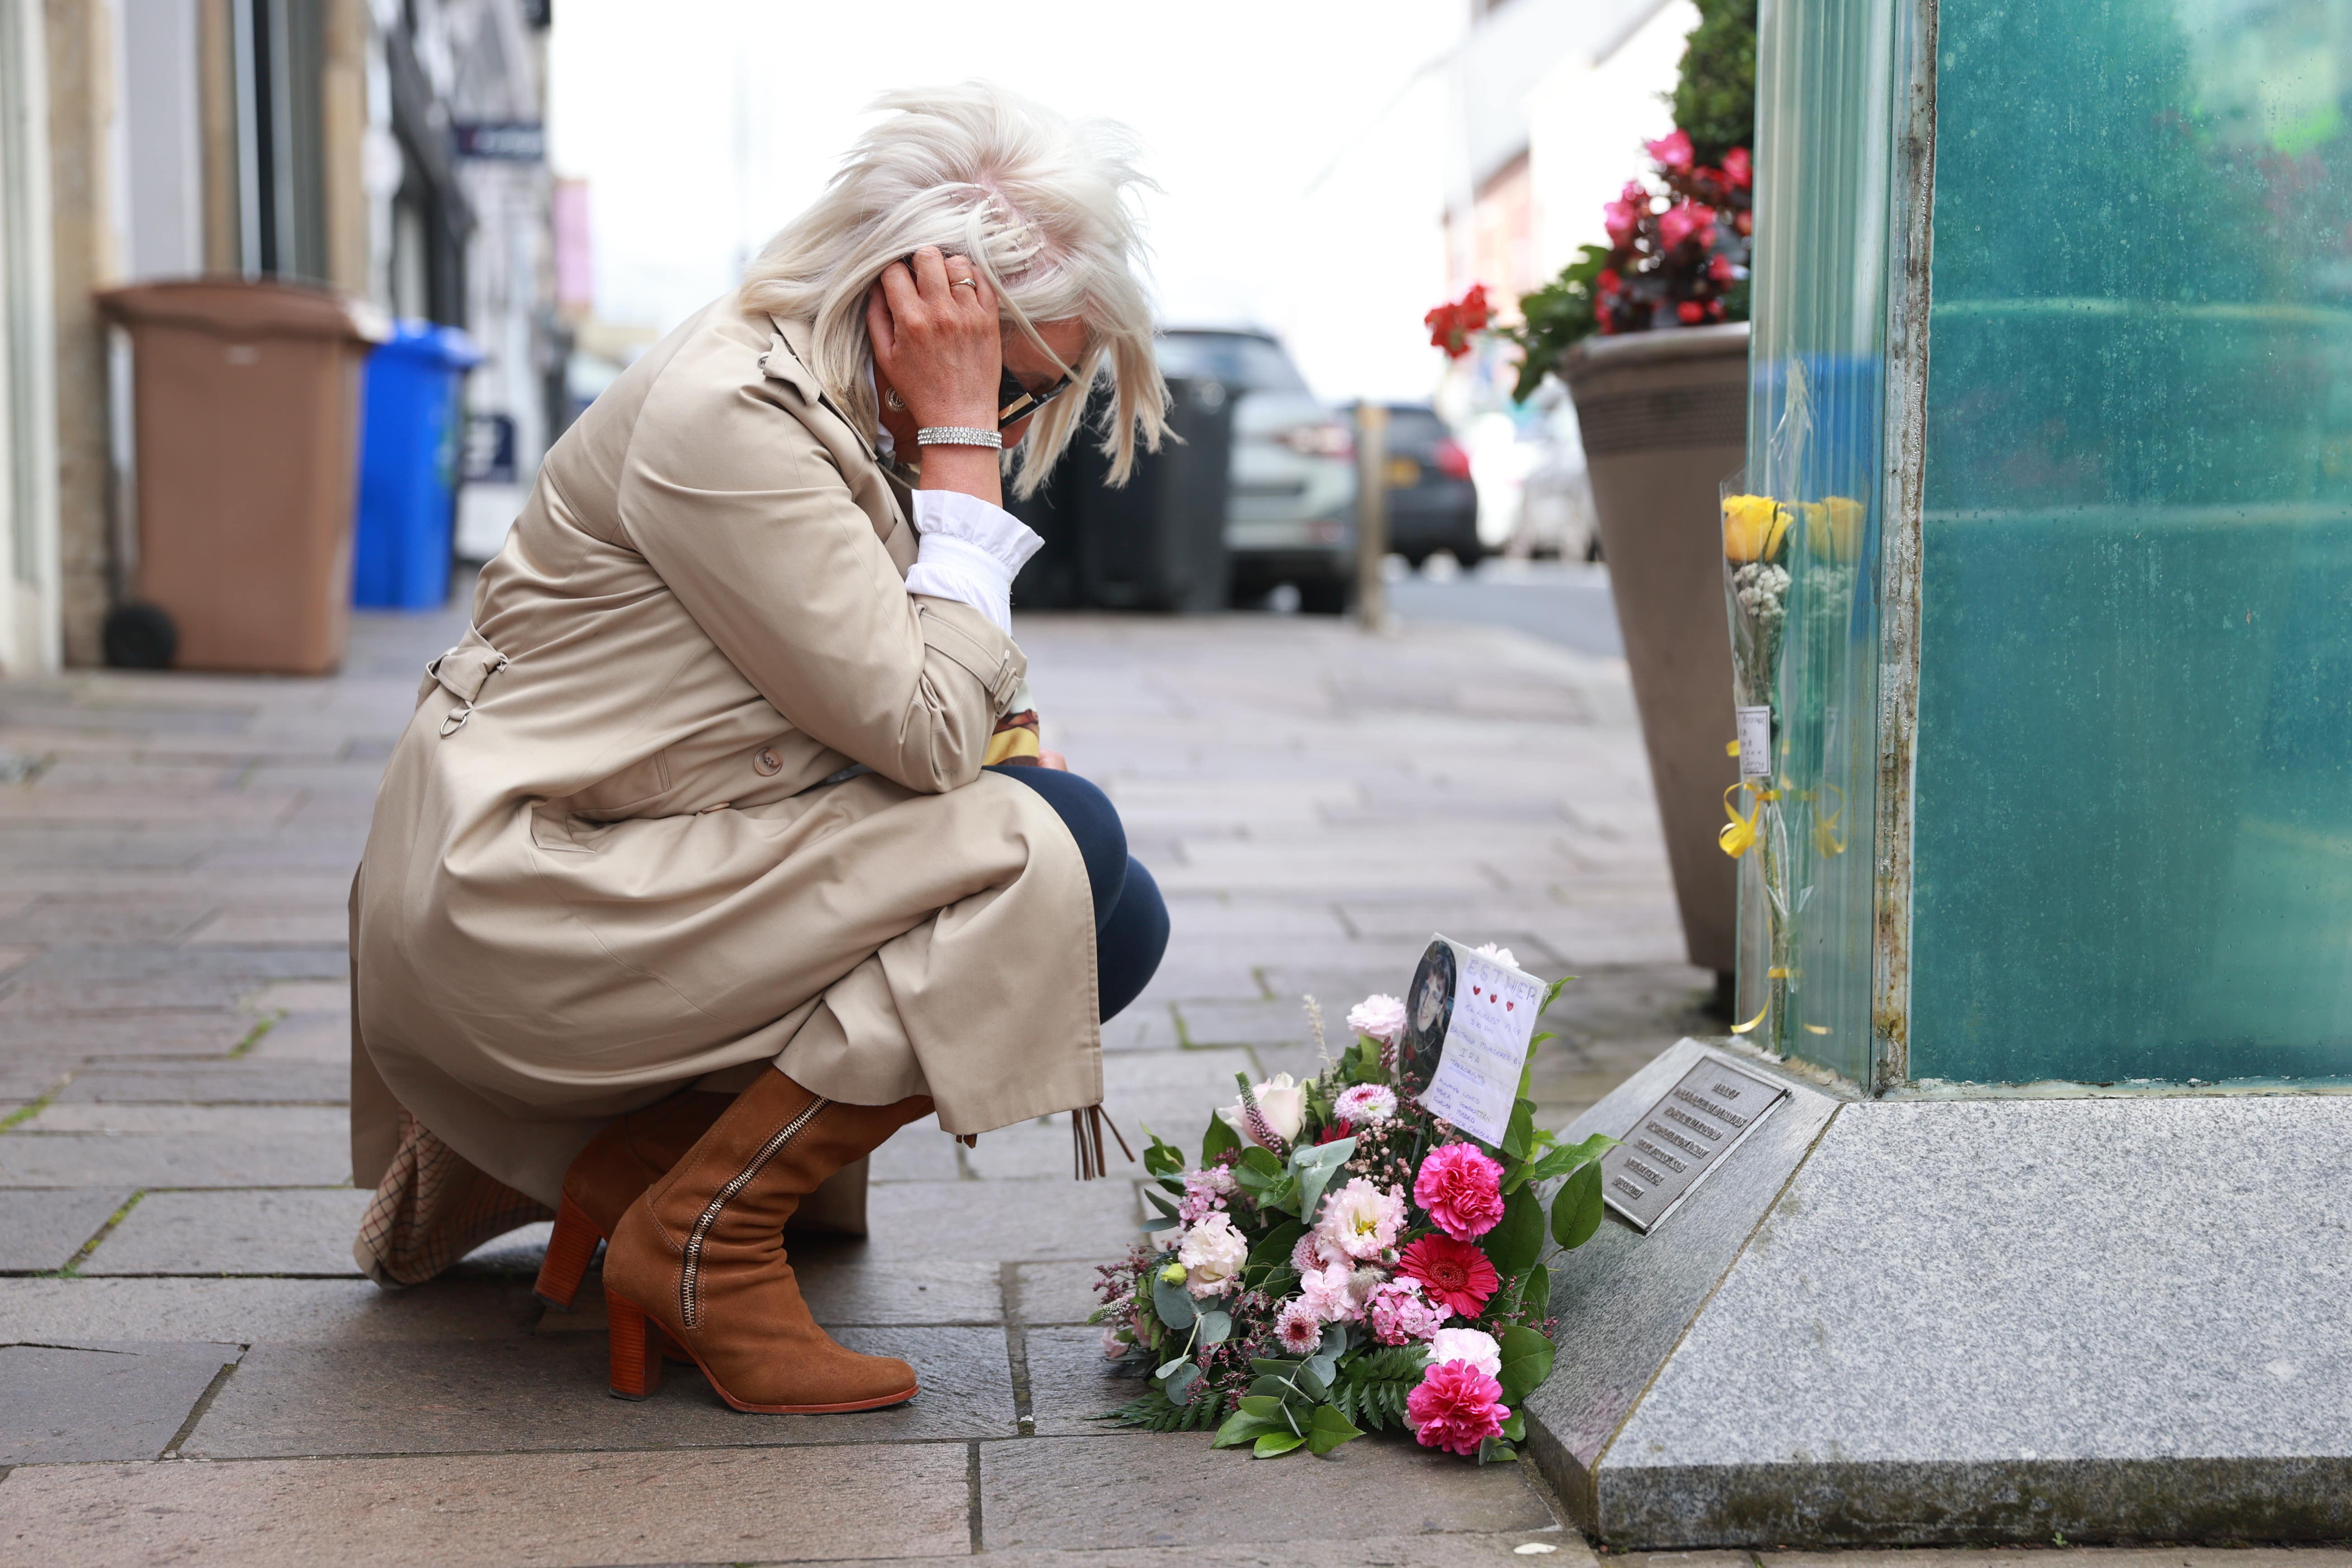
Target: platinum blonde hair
point(1045, 210)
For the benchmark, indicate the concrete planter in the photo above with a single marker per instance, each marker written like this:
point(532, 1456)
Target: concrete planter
point(1665, 417)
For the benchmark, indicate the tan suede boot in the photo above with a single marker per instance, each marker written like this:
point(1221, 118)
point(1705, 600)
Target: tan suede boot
point(631, 1154)
point(699, 1260)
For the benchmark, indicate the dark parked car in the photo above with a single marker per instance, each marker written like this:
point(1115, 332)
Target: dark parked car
point(1290, 512)
point(1432, 505)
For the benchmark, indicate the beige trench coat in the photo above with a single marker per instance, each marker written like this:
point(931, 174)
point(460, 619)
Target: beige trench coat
point(610, 856)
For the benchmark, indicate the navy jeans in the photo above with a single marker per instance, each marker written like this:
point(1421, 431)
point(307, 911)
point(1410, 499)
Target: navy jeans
point(1130, 920)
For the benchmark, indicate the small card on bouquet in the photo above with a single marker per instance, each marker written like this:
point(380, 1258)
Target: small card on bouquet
point(1468, 1022)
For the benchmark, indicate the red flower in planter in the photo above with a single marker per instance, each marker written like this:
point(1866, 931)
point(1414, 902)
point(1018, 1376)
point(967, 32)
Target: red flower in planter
point(1691, 312)
point(1687, 221)
point(1738, 168)
point(1450, 326)
point(1673, 152)
point(1451, 1273)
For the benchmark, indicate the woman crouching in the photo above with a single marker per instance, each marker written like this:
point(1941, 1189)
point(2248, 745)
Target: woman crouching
point(721, 846)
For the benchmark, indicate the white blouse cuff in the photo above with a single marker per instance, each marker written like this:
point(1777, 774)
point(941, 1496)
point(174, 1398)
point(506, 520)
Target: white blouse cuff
point(970, 552)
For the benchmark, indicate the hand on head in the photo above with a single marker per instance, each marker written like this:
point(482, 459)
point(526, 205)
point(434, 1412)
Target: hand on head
point(936, 339)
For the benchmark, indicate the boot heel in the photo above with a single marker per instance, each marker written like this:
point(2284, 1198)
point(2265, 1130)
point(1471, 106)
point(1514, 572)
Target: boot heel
point(637, 1345)
point(569, 1250)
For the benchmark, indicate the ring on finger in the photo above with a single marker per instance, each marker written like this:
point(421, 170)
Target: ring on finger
point(964, 283)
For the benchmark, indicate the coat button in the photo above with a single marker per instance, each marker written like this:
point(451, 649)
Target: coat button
point(769, 763)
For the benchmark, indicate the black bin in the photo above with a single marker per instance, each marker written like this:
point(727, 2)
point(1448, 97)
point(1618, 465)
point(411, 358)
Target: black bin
point(1155, 544)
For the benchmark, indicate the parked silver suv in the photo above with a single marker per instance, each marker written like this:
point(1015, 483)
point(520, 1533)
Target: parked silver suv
point(1290, 512)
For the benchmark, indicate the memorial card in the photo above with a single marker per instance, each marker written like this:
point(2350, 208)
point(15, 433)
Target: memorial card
point(1472, 1016)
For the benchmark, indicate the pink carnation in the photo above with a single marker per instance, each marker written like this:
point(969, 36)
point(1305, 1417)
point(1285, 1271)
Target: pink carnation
point(1311, 1254)
point(1333, 1293)
point(1455, 1407)
point(1462, 1189)
point(1381, 1018)
point(1401, 1314)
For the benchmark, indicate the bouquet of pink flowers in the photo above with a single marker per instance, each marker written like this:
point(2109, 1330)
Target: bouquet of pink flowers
point(1339, 1260)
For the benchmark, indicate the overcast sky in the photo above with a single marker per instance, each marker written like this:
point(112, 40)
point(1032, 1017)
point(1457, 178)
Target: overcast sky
point(1304, 144)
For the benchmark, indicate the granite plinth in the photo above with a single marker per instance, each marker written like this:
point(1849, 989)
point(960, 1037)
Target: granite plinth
point(1915, 1322)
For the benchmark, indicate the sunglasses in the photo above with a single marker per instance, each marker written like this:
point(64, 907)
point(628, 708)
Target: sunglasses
point(1017, 402)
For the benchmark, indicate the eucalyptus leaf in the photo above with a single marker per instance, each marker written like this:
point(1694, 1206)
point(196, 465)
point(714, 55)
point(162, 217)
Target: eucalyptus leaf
point(1526, 1362)
point(1576, 1207)
point(1173, 1303)
point(1335, 1340)
point(1160, 1201)
point(1268, 1366)
point(1216, 1328)
point(1264, 1406)
point(1273, 1385)
point(1181, 1388)
point(1517, 1240)
point(1274, 1443)
point(1165, 1222)
point(1164, 1368)
point(1313, 1167)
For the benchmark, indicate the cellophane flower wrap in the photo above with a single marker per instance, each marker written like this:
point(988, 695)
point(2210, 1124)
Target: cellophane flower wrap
point(1337, 1260)
point(1756, 531)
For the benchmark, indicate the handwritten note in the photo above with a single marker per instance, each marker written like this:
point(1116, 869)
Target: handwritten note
point(1487, 1020)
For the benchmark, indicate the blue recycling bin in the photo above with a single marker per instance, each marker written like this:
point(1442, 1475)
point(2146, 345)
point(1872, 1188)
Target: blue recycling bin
point(408, 467)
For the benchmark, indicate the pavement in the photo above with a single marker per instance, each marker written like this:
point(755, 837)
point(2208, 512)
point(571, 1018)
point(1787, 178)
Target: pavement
point(192, 1371)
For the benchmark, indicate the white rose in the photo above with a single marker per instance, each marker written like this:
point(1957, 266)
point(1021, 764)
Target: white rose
point(1473, 1346)
point(1213, 1252)
point(1281, 1102)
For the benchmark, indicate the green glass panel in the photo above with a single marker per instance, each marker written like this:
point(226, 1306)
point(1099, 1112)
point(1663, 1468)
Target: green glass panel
point(2133, 854)
point(1824, 129)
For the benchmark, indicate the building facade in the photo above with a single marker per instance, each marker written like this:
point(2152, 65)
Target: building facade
point(389, 149)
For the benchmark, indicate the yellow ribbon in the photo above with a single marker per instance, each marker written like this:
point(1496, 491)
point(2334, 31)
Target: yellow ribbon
point(1739, 834)
point(1768, 975)
point(1826, 837)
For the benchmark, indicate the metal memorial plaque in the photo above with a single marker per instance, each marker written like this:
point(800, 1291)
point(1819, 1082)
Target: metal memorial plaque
point(1678, 1141)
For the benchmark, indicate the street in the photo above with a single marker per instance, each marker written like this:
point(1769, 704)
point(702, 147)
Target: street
point(1565, 602)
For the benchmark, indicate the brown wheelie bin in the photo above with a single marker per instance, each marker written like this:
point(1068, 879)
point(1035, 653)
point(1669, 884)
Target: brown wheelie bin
point(246, 403)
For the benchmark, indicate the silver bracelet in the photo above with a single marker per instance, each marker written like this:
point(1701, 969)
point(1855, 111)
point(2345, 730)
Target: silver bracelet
point(957, 435)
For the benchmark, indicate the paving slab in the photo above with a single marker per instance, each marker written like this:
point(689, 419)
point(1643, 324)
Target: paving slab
point(1555, 1547)
point(550, 1391)
point(267, 1231)
point(917, 1154)
point(844, 1288)
point(286, 1311)
point(1070, 1383)
point(89, 1400)
point(1055, 1292)
point(42, 1230)
point(241, 1082)
point(184, 1160)
point(1147, 1488)
point(499, 1510)
point(1007, 1221)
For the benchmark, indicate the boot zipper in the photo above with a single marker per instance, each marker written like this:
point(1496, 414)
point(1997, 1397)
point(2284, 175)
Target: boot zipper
point(687, 1298)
